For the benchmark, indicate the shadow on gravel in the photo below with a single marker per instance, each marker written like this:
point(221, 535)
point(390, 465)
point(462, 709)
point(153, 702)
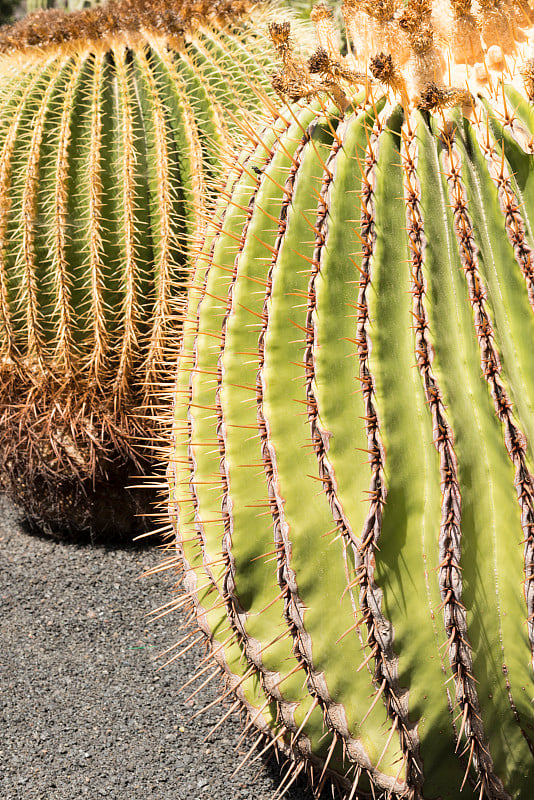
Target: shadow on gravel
point(85, 711)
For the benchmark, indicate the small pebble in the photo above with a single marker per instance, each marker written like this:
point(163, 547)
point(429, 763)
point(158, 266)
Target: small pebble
point(78, 671)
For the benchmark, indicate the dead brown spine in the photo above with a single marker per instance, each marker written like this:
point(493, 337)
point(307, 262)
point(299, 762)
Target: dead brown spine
point(379, 630)
point(59, 28)
point(450, 536)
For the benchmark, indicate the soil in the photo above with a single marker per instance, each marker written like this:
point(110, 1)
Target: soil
point(84, 711)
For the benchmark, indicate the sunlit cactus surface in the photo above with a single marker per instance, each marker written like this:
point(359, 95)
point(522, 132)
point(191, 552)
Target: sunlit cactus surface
point(353, 453)
point(113, 124)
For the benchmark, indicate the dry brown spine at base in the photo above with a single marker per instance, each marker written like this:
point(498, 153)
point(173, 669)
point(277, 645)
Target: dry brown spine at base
point(490, 363)
point(91, 288)
point(450, 537)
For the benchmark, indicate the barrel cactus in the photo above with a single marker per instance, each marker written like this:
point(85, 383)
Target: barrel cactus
point(353, 451)
point(115, 125)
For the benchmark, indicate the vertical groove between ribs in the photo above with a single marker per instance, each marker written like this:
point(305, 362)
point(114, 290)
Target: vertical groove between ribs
point(9, 348)
point(515, 440)
point(162, 314)
point(319, 438)
point(524, 255)
point(99, 333)
point(191, 580)
point(450, 537)
point(236, 613)
point(129, 309)
point(29, 210)
point(65, 344)
point(334, 713)
point(197, 170)
point(379, 630)
point(510, 206)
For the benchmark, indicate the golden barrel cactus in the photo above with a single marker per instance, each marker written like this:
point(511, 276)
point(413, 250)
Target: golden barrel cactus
point(352, 474)
point(114, 121)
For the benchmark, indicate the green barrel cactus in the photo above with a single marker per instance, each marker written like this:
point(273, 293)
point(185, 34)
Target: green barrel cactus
point(115, 126)
point(353, 451)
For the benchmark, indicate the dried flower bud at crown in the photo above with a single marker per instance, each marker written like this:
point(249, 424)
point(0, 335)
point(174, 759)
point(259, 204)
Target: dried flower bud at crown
point(527, 71)
point(280, 35)
point(438, 43)
point(435, 97)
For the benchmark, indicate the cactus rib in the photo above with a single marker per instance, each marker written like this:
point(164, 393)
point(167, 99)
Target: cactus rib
point(450, 556)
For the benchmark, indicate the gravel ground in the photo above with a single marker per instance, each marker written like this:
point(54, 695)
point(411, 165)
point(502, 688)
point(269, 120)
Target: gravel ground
point(83, 711)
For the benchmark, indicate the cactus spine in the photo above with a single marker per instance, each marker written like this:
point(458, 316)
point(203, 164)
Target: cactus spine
point(352, 457)
point(114, 124)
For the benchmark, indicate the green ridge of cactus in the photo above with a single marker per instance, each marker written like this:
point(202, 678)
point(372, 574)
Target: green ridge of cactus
point(116, 123)
point(352, 463)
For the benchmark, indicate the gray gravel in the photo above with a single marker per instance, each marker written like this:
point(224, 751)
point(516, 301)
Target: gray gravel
point(83, 711)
